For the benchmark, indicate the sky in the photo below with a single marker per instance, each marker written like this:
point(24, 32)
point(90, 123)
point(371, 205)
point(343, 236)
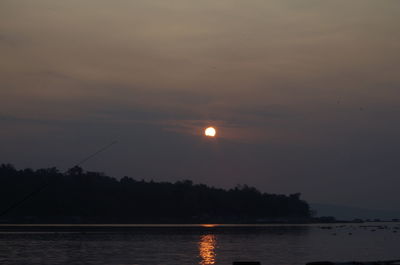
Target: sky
point(305, 95)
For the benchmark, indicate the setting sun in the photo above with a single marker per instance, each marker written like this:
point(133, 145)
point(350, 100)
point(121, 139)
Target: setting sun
point(210, 131)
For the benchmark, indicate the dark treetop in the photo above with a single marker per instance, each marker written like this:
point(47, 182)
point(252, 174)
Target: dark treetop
point(91, 197)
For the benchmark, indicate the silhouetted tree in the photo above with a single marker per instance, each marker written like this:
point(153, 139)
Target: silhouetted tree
point(79, 196)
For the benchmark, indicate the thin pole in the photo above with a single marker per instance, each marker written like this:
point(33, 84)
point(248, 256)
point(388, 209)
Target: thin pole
point(34, 192)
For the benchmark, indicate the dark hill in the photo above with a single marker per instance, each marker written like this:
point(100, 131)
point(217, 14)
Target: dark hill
point(90, 197)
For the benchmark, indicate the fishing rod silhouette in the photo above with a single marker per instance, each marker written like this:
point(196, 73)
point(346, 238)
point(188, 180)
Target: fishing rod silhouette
point(34, 192)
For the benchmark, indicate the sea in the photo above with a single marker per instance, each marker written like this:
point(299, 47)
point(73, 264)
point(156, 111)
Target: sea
point(201, 244)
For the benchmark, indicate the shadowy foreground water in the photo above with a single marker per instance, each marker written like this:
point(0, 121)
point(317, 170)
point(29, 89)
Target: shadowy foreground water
point(197, 244)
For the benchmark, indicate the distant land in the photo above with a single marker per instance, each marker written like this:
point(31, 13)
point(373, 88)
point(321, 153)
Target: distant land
point(79, 196)
point(348, 213)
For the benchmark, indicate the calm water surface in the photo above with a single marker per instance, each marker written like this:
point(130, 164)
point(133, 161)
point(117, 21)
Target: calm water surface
point(203, 245)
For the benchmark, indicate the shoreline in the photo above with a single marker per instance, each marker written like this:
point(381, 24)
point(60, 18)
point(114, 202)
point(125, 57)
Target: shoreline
point(39, 227)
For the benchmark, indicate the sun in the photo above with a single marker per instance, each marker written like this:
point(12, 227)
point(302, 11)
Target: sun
point(210, 132)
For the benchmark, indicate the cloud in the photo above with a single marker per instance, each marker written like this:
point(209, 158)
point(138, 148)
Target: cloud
point(305, 94)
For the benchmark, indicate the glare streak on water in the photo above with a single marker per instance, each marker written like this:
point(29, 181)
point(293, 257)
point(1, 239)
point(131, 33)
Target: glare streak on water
point(203, 245)
point(207, 249)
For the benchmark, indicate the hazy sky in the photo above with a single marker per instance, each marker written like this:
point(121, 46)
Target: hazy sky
point(305, 94)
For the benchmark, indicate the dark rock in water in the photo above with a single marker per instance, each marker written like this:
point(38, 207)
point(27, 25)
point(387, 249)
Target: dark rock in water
point(246, 263)
point(383, 262)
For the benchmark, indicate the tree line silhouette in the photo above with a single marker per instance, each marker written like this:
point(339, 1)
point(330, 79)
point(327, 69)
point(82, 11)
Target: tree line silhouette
point(79, 196)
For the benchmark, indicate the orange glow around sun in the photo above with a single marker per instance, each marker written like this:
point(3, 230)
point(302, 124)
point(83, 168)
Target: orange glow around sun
point(210, 132)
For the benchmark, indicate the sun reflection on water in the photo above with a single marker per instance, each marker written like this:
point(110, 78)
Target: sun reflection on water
point(207, 246)
point(208, 225)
